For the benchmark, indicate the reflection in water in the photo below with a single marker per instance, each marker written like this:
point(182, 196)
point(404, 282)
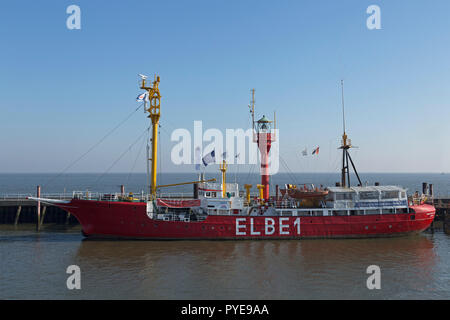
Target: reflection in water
point(260, 269)
point(34, 266)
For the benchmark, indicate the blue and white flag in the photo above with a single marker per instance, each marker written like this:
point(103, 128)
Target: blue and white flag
point(142, 97)
point(209, 158)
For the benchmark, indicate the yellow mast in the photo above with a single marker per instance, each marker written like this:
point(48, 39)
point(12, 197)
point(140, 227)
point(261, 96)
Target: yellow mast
point(154, 114)
point(223, 168)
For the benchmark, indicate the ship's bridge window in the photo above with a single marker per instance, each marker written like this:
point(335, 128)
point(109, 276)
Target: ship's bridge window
point(208, 194)
point(389, 195)
point(344, 196)
point(403, 195)
point(368, 195)
point(214, 194)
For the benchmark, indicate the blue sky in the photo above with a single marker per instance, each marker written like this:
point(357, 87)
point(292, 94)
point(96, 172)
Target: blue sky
point(62, 90)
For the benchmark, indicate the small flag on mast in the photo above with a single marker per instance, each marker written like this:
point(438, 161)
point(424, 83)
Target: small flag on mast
point(209, 158)
point(142, 97)
point(304, 152)
point(316, 151)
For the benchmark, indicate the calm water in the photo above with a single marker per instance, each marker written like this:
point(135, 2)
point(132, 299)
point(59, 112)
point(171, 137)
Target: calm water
point(51, 183)
point(33, 266)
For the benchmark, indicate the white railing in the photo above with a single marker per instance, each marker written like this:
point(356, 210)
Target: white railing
point(24, 196)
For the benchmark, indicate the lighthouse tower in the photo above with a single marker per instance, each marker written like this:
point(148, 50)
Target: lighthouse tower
point(263, 136)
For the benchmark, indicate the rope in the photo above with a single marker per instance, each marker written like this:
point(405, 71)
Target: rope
point(94, 146)
point(135, 160)
point(120, 157)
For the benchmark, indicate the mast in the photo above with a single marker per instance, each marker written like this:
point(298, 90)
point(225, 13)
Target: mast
point(223, 168)
point(346, 144)
point(252, 108)
point(154, 114)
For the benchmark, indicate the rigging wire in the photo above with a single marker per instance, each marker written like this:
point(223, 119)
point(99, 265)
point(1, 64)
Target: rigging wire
point(120, 157)
point(93, 146)
point(290, 173)
point(135, 160)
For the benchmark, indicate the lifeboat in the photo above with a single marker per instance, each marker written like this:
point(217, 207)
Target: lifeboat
point(304, 193)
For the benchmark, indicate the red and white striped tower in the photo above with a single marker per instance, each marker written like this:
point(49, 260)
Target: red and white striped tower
point(263, 136)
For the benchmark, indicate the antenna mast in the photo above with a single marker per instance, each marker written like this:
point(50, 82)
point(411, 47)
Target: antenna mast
point(154, 114)
point(252, 108)
point(346, 144)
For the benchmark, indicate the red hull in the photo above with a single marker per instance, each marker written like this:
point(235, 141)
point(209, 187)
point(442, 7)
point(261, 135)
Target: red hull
point(129, 220)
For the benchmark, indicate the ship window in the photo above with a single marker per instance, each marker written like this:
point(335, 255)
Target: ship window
point(208, 194)
point(368, 195)
point(389, 210)
point(373, 211)
point(403, 195)
point(341, 212)
point(214, 194)
point(389, 195)
point(318, 213)
point(344, 196)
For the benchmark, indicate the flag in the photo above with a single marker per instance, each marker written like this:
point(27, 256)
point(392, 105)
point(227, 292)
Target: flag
point(304, 153)
point(316, 151)
point(142, 97)
point(209, 158)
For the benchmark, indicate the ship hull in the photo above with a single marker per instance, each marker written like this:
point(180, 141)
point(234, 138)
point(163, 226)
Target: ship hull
point(129, 220)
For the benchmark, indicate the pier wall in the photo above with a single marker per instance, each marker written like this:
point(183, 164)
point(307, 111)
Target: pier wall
point(25, 211)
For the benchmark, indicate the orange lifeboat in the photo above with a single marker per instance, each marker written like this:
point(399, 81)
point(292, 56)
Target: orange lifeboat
point(304, 192)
